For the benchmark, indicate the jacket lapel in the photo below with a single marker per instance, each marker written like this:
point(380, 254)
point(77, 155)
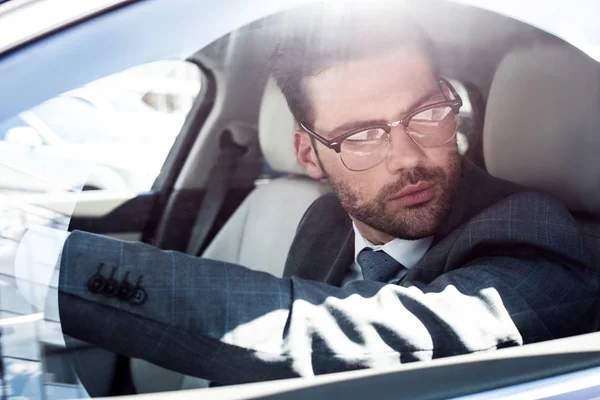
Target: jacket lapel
point(343, 260)
point(323, 248)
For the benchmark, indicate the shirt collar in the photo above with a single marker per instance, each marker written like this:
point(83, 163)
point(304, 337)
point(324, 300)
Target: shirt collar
point(406, 252)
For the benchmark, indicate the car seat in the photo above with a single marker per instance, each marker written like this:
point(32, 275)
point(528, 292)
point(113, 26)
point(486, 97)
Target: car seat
point(542, 128)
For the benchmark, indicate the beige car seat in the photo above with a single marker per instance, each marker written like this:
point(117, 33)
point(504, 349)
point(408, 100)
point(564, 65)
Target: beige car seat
point(542, 127)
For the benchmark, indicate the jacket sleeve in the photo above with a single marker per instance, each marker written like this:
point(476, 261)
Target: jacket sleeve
point(229, 324)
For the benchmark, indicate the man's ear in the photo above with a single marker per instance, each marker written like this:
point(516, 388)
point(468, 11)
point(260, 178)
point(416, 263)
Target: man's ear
point(306, 155)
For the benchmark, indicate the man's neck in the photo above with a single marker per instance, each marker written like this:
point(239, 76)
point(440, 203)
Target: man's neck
point(372, 235)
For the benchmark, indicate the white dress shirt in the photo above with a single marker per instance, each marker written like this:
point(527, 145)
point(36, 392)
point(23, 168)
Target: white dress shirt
point(406, 252)
point(37, 261)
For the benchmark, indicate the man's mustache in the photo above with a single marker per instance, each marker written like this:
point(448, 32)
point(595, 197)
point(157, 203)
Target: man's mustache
point(412, 177)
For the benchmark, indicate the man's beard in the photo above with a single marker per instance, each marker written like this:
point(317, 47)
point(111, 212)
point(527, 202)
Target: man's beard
point(412, 222)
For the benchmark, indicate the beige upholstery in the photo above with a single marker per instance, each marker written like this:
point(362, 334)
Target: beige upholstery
point(542, 126)
point(259, 234)
point(275, 129)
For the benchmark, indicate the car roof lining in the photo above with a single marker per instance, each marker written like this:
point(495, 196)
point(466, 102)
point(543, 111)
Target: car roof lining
point(471, 41)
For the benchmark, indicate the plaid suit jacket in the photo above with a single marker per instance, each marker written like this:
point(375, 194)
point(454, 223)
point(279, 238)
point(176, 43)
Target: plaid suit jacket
point(508, 267)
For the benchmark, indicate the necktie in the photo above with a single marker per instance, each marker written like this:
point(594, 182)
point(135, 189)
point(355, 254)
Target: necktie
point(377, 265)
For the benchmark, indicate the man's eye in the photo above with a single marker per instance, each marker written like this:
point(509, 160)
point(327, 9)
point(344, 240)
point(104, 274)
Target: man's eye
point(369, 134)
point(433, 114)
point(427, 115)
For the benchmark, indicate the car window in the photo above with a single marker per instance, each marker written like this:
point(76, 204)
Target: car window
point(82, 124)
point(104, 135)
point(10, 123)
point(111, 134)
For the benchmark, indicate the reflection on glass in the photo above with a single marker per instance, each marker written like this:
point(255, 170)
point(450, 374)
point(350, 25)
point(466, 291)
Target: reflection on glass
point(112, 134)
point(22, 379)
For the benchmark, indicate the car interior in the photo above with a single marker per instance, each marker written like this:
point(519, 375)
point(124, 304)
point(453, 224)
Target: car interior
point(232, 190)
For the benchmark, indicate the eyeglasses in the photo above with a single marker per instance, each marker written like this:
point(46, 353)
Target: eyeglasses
point(433, 125)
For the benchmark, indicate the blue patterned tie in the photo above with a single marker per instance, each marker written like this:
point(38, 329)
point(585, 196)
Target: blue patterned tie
point(377, 265)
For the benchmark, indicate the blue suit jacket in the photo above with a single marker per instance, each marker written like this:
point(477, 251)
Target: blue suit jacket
point(508, 267)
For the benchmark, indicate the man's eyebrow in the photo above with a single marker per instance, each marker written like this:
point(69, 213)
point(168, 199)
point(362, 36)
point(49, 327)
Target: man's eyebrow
point(355, 125)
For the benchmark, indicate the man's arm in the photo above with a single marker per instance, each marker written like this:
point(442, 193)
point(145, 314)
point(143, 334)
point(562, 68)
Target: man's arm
point(232, 325)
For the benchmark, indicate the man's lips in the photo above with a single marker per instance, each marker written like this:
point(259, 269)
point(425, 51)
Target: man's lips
point(415, 194)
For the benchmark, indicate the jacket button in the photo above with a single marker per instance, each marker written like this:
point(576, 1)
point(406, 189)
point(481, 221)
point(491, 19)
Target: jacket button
point(138, 296)
point(125, 291)
point(96, 283)
point(111, 288)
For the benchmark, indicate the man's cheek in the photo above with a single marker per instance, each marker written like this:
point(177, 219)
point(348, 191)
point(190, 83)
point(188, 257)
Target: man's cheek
point(443, 156)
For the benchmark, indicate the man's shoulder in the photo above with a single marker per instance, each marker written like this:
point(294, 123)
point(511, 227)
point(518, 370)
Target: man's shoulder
point(527, 212)
point(526, 205)
point(528, 223)
point(498, 196)
point(479, 185)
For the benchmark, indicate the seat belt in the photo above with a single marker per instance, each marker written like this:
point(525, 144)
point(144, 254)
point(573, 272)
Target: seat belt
point(216, 192)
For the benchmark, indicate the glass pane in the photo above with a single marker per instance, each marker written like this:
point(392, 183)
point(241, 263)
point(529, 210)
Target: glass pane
point(365, 149)
point(19, 336)
point(112, 134)
point(433, 127)
point(23, 379)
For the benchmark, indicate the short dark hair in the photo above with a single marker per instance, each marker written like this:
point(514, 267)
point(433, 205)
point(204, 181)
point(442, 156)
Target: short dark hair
point(332, 39)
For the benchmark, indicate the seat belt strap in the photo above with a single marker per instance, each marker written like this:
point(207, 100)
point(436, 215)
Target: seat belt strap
point(216, 192)
point(217, 187)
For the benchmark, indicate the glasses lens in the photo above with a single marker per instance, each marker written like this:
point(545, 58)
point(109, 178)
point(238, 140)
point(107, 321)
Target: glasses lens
point(364, 149)
point(433, 127)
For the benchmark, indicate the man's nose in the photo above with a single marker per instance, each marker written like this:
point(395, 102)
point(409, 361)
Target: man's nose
point(403, 154)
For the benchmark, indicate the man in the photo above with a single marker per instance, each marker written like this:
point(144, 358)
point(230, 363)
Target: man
point(419, 254)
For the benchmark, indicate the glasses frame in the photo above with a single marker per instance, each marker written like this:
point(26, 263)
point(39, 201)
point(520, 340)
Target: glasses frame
point(336, 143)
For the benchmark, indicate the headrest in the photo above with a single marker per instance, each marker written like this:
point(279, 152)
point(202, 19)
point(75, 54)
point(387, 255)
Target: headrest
point(542, 124)
point(276, 127)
